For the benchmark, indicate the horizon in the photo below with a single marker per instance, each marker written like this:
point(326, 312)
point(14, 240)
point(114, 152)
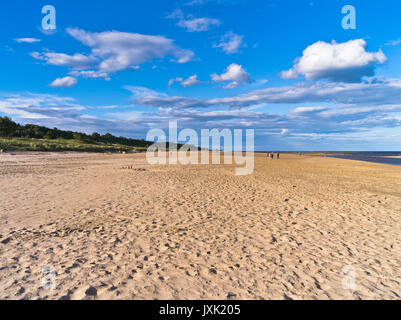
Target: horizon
point(266, 150)
point(290, 71)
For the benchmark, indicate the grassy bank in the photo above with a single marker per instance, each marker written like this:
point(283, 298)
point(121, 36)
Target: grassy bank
point(32, 144)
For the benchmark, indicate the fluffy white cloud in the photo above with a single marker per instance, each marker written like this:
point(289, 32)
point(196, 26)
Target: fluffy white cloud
point(66, 82)
point(192, 24)
point(230, 43)
point(114, 51)
point(190, 81)
point(348, 61)
point(121, 50)
point(27, 40)
point(234, 73)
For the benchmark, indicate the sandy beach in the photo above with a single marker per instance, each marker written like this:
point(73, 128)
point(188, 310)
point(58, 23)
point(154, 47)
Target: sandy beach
point(111, 226)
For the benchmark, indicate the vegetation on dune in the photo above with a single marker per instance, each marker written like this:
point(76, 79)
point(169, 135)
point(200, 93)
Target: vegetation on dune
point(33, 144)
point(32, 137)
point(7, 127)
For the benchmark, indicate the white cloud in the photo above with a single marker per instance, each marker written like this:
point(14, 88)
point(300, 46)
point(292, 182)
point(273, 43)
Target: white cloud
point(142, 92)
point(114, 51)
point(66, 82)
point(234, 73)
point(387, 91)
point(334, 122)
point(284, 132)
point(37, 106)
point(393, 42)
point(192, 24)
point(171, 81)
point(190, 81)
point(348, 61)
point(230, 43)
point(91, 74)
point(198, 24)
point(195, 2)
point(121, 50)
point(77, 60)
point(260, 82)
point(203, 2)
point(307, 110)
point(27, 40)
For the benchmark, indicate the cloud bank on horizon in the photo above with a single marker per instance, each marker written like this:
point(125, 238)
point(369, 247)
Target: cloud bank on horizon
point(197, 66)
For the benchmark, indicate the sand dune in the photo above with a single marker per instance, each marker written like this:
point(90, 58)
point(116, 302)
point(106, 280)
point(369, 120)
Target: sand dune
point(109, 231)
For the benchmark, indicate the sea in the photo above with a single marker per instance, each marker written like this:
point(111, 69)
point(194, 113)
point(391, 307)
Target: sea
point(377, 157)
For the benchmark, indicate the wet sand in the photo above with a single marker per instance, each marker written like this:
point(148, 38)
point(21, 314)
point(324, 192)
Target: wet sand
point(105, 230)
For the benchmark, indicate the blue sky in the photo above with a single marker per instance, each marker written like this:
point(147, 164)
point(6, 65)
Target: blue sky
point(284, 68)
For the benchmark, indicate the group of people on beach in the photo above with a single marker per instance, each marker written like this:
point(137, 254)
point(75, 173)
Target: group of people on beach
point(271, 155)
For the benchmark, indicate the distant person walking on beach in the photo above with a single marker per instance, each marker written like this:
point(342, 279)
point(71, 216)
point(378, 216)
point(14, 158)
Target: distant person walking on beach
point(278, 155)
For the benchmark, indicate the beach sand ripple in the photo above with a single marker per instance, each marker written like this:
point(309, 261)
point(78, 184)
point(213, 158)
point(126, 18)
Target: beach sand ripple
point(113, 227)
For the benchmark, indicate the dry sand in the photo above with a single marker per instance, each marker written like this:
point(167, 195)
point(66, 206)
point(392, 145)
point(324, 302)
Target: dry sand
point(391, 157)
point(198, 231)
